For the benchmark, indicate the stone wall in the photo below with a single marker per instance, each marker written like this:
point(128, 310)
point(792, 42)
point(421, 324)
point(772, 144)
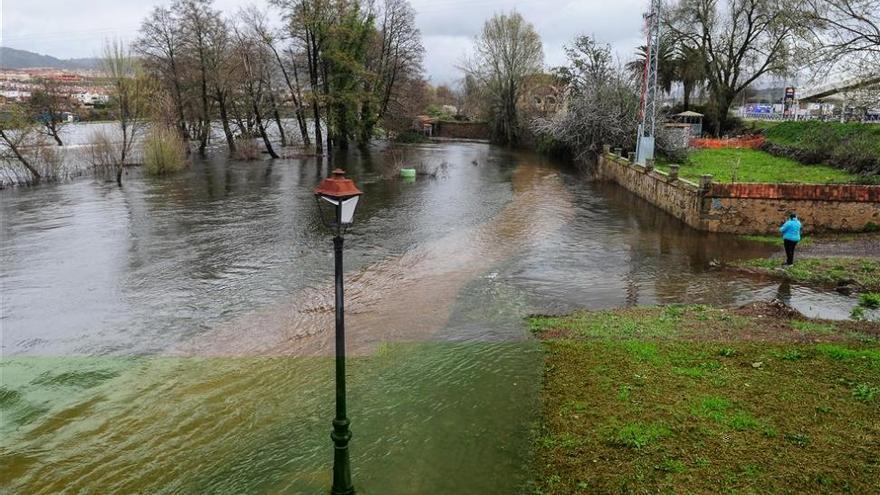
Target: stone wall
point(461, 130)
point(746, 208)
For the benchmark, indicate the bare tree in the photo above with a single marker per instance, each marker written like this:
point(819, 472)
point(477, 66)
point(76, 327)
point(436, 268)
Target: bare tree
point(17, 132)
point(506, 52)
point(602, 105)
point(199, 22)
point(739, 40)
point(49, 104)
point(845, 27)
point(160, 46)
point(255, 64)
point(130, 100)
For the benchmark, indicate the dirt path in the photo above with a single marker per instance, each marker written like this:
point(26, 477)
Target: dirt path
point(849, 245)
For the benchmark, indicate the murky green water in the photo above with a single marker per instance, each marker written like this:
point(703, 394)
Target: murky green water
point(174, 336)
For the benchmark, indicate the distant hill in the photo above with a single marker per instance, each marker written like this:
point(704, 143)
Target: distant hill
point(12, 58)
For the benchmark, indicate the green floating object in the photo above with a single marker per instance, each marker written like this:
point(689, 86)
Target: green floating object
point(408, 172)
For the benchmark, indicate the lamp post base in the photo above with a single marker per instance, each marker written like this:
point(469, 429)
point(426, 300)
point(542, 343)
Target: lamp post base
point(341, 464)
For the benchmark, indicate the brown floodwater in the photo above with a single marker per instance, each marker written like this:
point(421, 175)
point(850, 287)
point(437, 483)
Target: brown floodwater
point(174, 335)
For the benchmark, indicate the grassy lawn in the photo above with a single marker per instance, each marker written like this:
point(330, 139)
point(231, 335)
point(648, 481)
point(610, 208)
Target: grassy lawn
point(861, 272)
point(745, 165)
point(693, 399)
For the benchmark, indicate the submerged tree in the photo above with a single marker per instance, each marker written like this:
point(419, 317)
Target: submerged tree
point(130, 92)
point(49, 105)
point(506, 52)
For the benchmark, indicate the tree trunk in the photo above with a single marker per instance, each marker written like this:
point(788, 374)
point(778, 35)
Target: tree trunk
point(224, 119)
point(262, 129)
point(54, 132)
point(20, 157)
point(300, 113)
point(277, 117)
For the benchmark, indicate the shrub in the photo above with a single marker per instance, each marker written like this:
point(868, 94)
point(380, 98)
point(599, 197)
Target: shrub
point(164, 151)
point(246, 148)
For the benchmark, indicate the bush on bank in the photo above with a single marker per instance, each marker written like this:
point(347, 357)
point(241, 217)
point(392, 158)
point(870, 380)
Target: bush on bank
point(854, 147)
point(164, 151)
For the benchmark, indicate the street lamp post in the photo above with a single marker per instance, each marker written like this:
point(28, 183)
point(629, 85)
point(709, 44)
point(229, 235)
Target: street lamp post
point(337, 198)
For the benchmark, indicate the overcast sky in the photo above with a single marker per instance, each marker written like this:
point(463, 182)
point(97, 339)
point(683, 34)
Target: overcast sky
point(76, 28)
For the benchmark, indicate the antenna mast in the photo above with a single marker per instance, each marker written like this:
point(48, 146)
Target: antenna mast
point(648, 110)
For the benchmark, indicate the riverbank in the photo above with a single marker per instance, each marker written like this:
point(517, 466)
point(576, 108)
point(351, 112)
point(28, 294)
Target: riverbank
point(695, 399)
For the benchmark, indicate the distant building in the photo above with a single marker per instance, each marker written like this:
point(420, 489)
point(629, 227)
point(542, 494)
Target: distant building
point(91, 99)
point(542, 94)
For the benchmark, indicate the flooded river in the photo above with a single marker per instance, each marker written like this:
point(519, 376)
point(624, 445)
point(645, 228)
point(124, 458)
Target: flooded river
point(175, 335)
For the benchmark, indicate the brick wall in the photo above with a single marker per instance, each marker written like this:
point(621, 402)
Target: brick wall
point(748, 208)
point(462, 130)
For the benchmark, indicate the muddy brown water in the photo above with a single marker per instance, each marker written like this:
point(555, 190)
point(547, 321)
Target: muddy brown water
point(173, 336)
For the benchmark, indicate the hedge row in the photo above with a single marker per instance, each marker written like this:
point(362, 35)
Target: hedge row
point(853, 147)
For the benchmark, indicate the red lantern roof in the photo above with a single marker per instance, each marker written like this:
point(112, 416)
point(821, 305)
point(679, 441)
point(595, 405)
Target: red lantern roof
point(337, 186)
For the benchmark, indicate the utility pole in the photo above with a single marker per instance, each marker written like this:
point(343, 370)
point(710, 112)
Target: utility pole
point(648, 108)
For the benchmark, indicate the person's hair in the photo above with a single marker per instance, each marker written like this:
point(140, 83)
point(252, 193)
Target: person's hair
point(792, 215)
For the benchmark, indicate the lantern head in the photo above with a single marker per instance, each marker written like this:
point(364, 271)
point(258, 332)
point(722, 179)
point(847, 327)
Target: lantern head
point(337, 198)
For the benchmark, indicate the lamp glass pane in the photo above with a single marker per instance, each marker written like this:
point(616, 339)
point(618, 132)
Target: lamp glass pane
point(348, 207)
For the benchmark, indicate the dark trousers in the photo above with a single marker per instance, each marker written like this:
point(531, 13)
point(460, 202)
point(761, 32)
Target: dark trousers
point(789, 251)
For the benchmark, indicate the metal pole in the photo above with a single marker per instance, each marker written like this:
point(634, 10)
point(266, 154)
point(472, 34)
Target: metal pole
point(341, 434)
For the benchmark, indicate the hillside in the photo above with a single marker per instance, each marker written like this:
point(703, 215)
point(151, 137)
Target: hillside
point(12, 58)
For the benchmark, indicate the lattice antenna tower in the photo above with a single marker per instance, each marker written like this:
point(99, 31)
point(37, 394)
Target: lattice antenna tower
point(648, 108)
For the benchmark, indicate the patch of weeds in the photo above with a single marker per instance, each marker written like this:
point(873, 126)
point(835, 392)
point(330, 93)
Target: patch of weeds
point(769, 432)
point(727, 352)
point(799, 439)
point(639, 435)
point(692, 372)
point(823, 409)
point(858, 314)
point(841, 353)
point(671, 466)
point(642, 351)
point(573, 407)
point(624, 393)
point(701, 462)
point(711, 407)
point(569, 441)
point(751, 470)
point(806, 326)
point(541, 324)
point(792, 355)
point(741, 421)
point(865, 393)
point(870, 300)
point(721, 411)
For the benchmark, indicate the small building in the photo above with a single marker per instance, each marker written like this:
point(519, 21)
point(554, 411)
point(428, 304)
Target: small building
point(693, 120)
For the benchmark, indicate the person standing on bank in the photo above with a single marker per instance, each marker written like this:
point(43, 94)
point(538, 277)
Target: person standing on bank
point(791, 235)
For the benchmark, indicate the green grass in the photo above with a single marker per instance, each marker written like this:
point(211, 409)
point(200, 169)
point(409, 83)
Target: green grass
point(745, 165)
point(700, 409)
point(870, 300)
point(853, 146)
point(861, 272)
point(775, 240)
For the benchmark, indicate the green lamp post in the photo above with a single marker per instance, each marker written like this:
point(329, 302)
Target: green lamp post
point(337, 198)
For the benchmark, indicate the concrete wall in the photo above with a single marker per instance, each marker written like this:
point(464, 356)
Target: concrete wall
point(747, 208)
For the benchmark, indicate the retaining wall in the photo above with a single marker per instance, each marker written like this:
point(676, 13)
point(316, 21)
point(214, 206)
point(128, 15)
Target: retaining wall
point(746, 208)
point(461, 130)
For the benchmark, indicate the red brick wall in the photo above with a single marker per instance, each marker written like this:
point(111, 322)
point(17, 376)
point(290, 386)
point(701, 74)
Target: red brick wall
point(819, 192)
point(462, 130)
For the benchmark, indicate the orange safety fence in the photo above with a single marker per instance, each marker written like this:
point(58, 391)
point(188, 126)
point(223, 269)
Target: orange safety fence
point(752, 142)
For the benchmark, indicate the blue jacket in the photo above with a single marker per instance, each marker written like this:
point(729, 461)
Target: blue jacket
point(791, 230)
